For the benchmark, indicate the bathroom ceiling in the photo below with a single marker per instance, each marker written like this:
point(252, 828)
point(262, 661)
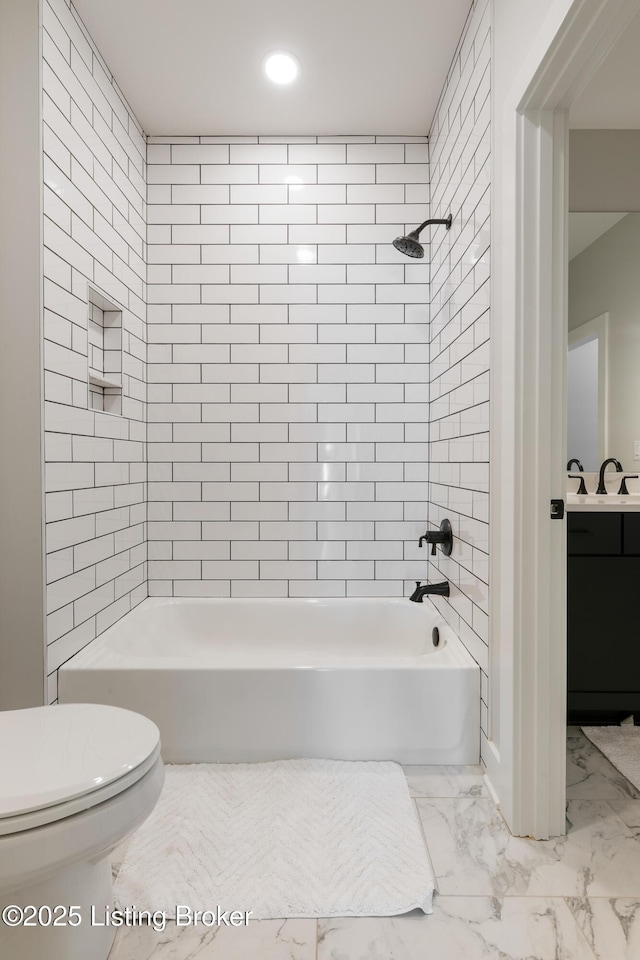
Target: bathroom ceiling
point(195, 66)
point(611, 100)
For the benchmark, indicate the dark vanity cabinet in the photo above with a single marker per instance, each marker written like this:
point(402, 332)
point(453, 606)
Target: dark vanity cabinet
point(603, 616)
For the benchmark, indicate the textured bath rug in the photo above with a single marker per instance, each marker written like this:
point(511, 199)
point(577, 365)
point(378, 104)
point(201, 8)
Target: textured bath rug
point(621, 746)
point(290, 838)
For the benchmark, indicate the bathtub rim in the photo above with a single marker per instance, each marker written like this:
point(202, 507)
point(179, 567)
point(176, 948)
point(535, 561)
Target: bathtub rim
point(100, 653)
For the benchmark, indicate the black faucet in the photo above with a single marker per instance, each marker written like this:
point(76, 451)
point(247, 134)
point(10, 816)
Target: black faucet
point(623, 484)
point(582, 490)
point(601, 487)
point(443, 536)
point(577, 463)
point(441, 589)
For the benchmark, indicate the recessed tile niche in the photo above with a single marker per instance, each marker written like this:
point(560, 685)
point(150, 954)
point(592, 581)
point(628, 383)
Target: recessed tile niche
point(104, 329)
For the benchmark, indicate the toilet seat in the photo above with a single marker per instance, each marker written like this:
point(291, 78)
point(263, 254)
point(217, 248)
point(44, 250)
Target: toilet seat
point(57, 761)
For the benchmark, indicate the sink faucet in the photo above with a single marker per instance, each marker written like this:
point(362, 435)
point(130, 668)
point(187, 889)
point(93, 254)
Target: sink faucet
point(582, 490)
point(623, 485)
point(441, 589)
point(577, 463)
point(601, 487)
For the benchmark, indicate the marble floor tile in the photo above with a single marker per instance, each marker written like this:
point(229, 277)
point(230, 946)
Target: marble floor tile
point(473, 852)
point(445, 781)
point(570, 898)
point(261, 940)
point(611, 927)
point(473, 928)
point(629, 812)
point(590, 776)
point(574, 732)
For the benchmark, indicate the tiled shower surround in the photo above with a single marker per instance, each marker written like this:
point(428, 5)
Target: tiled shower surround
point(94, 228)
point(459, 340)
point(288, 366)
point(310, 395)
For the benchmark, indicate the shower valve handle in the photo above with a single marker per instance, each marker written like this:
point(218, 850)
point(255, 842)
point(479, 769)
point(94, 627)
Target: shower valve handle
point(443, 536)
point(433, 539)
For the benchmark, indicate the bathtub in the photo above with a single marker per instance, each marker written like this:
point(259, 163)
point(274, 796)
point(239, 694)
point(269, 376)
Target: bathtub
point(249, 680)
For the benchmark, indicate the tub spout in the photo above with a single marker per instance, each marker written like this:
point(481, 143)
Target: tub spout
point(440, 589)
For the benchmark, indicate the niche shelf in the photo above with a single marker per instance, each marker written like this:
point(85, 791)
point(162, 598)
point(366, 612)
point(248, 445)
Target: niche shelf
point(104, 349)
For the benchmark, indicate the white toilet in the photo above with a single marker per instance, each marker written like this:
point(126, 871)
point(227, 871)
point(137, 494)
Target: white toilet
point(75, 780)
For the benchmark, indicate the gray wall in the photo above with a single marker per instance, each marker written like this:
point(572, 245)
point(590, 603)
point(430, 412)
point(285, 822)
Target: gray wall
point(21, 564)
point(603, 170)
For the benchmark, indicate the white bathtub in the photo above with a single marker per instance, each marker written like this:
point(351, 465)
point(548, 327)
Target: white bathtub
point(248, 680)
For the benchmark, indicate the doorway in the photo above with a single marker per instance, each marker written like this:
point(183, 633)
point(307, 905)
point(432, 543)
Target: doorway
point(528, 556)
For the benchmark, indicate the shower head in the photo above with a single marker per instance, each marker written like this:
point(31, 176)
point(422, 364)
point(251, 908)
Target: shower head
point(410, 244)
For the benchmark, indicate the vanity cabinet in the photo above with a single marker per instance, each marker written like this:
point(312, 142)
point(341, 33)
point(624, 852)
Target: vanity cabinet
point(603, 615)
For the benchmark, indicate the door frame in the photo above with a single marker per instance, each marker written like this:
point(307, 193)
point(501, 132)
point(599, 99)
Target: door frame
point(525, 753)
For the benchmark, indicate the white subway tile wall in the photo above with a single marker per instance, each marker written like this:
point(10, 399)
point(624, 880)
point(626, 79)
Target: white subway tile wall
point(305, 390)
point(94, 231)
point(459, 339)
point(287, 366)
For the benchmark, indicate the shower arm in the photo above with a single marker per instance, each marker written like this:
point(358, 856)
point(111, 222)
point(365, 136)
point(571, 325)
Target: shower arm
point(418, 230)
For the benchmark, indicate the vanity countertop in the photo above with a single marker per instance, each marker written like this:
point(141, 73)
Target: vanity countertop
point(609, 503)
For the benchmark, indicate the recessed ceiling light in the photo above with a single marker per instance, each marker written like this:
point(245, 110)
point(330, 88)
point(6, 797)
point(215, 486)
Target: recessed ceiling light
point(281, 67)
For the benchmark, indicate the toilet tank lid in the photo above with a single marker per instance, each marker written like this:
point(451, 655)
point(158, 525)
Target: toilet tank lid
point(49, 755)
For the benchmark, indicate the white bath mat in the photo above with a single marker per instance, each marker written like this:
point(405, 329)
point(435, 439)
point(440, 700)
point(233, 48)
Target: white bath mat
point(620, 745)
point(290, 838)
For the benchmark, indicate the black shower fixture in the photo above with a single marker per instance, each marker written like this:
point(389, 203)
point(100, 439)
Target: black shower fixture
point(410, 244)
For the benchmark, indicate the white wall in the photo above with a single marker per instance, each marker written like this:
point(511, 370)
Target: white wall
point(515, 24)
point(94, 229)
point(288, 366)
point(605, 278)
point(459, 338)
